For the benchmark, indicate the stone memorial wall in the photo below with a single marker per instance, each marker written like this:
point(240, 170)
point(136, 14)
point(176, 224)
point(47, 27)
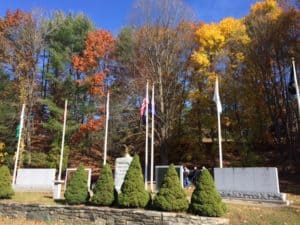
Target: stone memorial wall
point(249, 183)
point(38, 180)
point(84, 215)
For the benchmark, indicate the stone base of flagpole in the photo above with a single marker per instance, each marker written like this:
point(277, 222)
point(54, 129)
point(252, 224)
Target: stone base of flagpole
point(57, 189)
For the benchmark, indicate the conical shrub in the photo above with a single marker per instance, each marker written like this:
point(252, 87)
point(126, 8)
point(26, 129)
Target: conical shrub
point(133, 193)
point(171, 195)
point(104, 189)
point(77, 189)
point(206, 200)
point(6, 190)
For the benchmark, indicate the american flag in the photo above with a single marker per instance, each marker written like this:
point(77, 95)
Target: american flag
point(143, 107)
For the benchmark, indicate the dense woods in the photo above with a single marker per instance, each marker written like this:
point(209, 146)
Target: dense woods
point(47, 59)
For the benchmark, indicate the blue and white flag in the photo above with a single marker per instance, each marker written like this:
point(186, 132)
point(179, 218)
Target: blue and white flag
point(152, 107)
point(216, 98)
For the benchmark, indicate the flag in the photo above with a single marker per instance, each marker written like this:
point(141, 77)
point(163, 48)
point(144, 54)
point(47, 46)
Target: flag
point(216, 98)
point(143, 107)
point(152, 107)
point(18, 131)
point(292, 85)
point(143, 111)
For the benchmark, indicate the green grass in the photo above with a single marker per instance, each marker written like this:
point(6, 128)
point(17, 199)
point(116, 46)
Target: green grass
point(258, 215)
point(32, 198)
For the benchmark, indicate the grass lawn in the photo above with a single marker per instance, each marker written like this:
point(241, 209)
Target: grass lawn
point(32, 198)
point(257, 215)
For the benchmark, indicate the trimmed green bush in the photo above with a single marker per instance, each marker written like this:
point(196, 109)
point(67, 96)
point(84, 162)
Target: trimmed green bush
point(171, 195)
point(6, 190)
point(104, 189)
point(133, 193)
point(206, 200)
point(77, 190)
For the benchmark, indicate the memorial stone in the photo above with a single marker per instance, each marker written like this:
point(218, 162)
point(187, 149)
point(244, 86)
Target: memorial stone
point(122, 165)
point(249, 183)
point(36, 180)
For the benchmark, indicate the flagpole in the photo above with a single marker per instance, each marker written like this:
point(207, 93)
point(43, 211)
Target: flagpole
point(296, 84)
point(18, 146)
point(220, 140)
point(146, 141)
point(219, 111)
point(63, 141)
point(152, 139)
point(59, 182)
point(106, 128)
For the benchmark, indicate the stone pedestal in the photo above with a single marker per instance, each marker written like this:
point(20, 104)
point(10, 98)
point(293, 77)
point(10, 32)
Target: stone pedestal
point(57, 189)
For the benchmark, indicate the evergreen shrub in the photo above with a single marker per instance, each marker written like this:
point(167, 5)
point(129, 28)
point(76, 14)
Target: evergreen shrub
point(206, 200)
point(6, 190)
point(133, 193)
point(104, 189)
point(77, 189)
point(171, 195)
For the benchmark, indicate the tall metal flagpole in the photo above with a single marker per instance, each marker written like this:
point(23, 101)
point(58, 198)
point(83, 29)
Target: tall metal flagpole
point(19, 143)
point(146, 141)
point(296, 84)
point(219, 111)
point(106, 129)
point(152, 139)
point(59, 182)
point(63, 142)
point(220, 140)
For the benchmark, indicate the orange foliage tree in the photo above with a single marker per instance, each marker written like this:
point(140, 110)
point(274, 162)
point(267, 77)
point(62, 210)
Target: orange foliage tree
point(98, 47)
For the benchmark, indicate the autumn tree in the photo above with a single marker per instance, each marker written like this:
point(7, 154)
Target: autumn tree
point(22, 38)
point(160, 44)
point(59, 82)
point(91, 68)
point(273, 33)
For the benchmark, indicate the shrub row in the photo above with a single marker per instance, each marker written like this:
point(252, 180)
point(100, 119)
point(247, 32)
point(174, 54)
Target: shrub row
point(205, 199)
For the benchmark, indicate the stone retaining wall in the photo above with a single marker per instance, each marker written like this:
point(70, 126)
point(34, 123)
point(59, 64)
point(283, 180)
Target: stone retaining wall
point(80, 215)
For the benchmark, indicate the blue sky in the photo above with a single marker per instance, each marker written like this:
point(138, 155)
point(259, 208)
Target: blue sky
point(113, 14)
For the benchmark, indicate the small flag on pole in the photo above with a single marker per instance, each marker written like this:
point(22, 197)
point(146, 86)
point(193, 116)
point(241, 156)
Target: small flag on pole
point(217, 97)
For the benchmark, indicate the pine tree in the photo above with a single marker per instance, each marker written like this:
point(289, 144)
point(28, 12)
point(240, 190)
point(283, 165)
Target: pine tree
point(104, 189)
point(6, 190)
point(77, 189)
point(206, 201)
point(133, 193)
point(54, 125)
point(171, 196)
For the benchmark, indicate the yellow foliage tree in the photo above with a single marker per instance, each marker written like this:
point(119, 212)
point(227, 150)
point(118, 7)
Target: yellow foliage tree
point(269, 8)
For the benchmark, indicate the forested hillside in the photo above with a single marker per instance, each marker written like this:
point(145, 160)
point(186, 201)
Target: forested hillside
point(45, 59)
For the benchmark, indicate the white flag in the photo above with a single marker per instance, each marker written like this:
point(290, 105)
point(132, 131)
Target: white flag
point(217, 97)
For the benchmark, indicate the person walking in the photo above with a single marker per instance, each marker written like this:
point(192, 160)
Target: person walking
point(186, 181)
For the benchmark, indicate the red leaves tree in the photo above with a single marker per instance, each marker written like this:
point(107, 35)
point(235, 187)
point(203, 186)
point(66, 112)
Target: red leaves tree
point(98, 46)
